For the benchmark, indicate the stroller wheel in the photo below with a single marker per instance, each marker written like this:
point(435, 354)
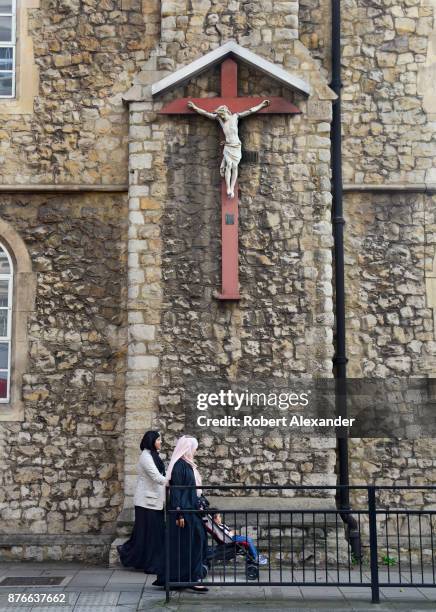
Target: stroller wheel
point(252, 571)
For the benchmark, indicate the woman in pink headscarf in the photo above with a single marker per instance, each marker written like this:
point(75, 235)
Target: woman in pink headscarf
point(188, 540)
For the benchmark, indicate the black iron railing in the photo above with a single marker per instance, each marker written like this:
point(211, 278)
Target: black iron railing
point(304, 547)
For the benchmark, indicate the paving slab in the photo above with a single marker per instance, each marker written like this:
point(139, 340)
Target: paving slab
point(104, 609)
point(72, 597)
point(352, 576)
point(123, 586)
point(360, 606)
point(326, 592)
point(83, 589)
point(95, 569)
point(361, 588)
point(94, 588)
point(11, 606)
point(94, 572)
point(129, 597)
point(98, 599)
point(408, 593)
point(42, 588)
point(429, 593)
point(127, 577)
point(89, 579)
point(50, 608)
point(60, 572)
point(271, 606)
point(232, 607)
point(283, 593)
point(223, 594)
point(158, 601)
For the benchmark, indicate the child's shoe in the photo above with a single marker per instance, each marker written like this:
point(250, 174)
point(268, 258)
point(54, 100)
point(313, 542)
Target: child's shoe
point(262, 560)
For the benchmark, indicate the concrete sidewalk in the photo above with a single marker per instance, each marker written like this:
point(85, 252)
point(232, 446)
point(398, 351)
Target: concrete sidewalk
point(98, 589)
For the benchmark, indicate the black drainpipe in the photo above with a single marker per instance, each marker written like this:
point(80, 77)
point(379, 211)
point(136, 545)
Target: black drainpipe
point(340, 359)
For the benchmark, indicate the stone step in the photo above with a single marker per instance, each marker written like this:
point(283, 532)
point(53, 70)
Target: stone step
point(259, 524)
point(288, 555)
point(262, 502)
point(87, 548)
point(282, 521)
point(238, 505)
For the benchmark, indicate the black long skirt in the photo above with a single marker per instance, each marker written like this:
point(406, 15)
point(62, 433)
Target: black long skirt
point(145, 548)
point(188, 551)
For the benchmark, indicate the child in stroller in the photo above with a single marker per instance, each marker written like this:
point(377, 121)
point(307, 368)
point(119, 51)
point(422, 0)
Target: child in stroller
point(246, 541)
point(230, 544)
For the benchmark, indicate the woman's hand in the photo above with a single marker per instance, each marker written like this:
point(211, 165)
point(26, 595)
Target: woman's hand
point(180, 522)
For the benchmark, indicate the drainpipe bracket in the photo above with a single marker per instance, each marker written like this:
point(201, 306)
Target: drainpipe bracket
point(340, 360)
point(338, 221)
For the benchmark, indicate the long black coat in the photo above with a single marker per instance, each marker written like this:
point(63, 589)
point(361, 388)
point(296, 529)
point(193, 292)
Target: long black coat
point(188, 545)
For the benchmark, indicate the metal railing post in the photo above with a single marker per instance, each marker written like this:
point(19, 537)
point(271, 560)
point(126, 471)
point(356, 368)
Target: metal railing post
point(372, 514)
point(167, 547)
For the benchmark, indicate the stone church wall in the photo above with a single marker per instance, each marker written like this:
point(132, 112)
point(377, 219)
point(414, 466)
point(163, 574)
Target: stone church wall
point(390, 254)
point(388, 139)
point(87, 54)
point(388, 94)
point(282, 327)
point(61, 476)
point(390, 250)
point(389, 101)
point(389, 136)
point(64, 466)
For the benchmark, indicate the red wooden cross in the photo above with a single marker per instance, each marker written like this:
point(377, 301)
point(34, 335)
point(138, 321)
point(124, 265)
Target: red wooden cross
point(229, 206)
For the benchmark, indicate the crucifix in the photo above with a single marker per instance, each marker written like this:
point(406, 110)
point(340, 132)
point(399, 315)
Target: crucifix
point(227, 110)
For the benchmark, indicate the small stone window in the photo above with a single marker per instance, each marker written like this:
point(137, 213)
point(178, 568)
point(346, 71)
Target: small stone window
point(6, 293)
point(8, 24)
point(19, 75)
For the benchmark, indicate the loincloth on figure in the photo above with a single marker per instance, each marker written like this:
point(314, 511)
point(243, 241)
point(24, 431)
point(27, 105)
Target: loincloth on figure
point(232, 153)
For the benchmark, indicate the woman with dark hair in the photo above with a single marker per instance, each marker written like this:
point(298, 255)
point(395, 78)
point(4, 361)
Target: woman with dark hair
point(144, 549)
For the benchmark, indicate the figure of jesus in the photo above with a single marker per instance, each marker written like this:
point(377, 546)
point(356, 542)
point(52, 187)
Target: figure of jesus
point(232, 145)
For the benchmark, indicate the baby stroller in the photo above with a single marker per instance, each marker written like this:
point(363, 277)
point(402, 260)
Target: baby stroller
point(226, 549)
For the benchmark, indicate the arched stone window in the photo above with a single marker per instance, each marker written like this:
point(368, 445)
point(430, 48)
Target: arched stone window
point(17, 302)
point(6, 302)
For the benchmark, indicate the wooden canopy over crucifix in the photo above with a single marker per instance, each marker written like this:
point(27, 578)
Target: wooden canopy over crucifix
point(227, 110)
